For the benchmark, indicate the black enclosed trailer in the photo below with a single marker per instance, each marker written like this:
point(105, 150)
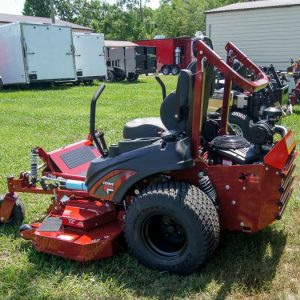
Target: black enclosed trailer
point(126, 60)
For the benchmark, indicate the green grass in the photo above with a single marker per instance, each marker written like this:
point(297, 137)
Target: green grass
point(265, 265)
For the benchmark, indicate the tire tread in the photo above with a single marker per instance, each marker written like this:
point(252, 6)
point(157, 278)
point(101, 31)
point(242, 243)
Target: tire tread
point(197, 205)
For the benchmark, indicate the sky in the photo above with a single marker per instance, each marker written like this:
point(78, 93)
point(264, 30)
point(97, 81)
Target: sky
point(16, 6)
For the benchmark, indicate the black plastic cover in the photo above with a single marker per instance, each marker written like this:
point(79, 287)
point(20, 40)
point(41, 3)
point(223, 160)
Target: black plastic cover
point(159, 157)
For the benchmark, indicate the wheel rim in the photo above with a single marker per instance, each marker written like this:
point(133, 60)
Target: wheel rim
point(165, 71)
point(174, 71)
point(237, 129)
point(164, 235)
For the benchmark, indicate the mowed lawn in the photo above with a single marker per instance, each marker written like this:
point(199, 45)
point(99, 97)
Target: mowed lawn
point(265, 265)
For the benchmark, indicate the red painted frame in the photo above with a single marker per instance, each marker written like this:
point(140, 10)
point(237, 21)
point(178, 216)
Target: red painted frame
point(271, 182)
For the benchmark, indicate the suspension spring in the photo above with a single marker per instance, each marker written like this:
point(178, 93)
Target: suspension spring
point(34, 157)
point(207, 187)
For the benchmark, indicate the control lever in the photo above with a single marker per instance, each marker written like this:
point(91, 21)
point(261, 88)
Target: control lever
point(163, 87)
point(98, 136)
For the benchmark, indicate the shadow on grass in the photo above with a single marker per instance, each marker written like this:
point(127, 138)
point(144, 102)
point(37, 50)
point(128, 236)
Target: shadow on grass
point(11, 231)
point(126, 82)
point(62, 86)
point(248, 262)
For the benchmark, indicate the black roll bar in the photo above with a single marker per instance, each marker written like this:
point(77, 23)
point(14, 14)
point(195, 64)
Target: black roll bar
point(97, 136)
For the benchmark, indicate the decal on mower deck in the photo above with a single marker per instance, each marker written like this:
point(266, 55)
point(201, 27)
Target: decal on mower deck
point(107, 188)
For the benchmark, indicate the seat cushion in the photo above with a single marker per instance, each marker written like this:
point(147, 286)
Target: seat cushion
point(143, 128)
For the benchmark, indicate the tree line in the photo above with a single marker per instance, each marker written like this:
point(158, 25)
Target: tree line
point(130, 19)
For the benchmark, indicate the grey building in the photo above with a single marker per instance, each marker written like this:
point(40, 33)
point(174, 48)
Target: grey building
point(267, 31)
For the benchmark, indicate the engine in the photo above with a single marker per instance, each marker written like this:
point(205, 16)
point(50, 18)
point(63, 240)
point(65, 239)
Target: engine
point(231, 149)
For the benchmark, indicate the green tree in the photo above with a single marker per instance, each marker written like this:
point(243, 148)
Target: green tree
point(64, 10)
point(178, 18)
point(37, 8)
point(184, 17)
point(130, 19)
point(135, 4)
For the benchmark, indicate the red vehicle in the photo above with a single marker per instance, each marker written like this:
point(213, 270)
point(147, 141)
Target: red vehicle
point(294, 70)
point(172, 54)
point(171, 185)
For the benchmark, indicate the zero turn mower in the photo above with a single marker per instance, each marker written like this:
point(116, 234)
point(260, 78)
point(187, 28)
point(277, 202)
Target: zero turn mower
point(170, 186)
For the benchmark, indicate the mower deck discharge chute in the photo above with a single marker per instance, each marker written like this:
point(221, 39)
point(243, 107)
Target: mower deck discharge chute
point(170, 185)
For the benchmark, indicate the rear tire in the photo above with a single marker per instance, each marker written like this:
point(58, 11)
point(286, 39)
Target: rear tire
point(240, 123)
point(172, 226)
point(165, 70)
point(88, 82)
point(111, 76)
point(134, 78)
point(17, 215)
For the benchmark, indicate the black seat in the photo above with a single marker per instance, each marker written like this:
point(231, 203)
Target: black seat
point(175, 113)
point(143, 127)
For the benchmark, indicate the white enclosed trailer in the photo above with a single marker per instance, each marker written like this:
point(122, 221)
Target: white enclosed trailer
point(89, 56)
point(128, 60)
point(36, 52)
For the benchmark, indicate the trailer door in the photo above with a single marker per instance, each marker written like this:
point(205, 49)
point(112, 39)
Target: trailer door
point(89, 55)
point(12, 68)
point(141, 59)
point(49, 52)
point(130, 62)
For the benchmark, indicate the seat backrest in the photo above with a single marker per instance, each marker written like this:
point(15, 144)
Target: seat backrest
point(177, 108)
point(176, 111)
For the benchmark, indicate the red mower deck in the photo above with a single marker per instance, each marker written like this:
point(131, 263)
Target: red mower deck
point(82, 230)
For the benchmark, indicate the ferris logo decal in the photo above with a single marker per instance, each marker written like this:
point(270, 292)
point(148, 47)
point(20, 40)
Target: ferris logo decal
point(108, 187)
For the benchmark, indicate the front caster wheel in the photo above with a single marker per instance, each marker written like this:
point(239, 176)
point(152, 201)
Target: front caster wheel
point(172, 226)
point(17, 214)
